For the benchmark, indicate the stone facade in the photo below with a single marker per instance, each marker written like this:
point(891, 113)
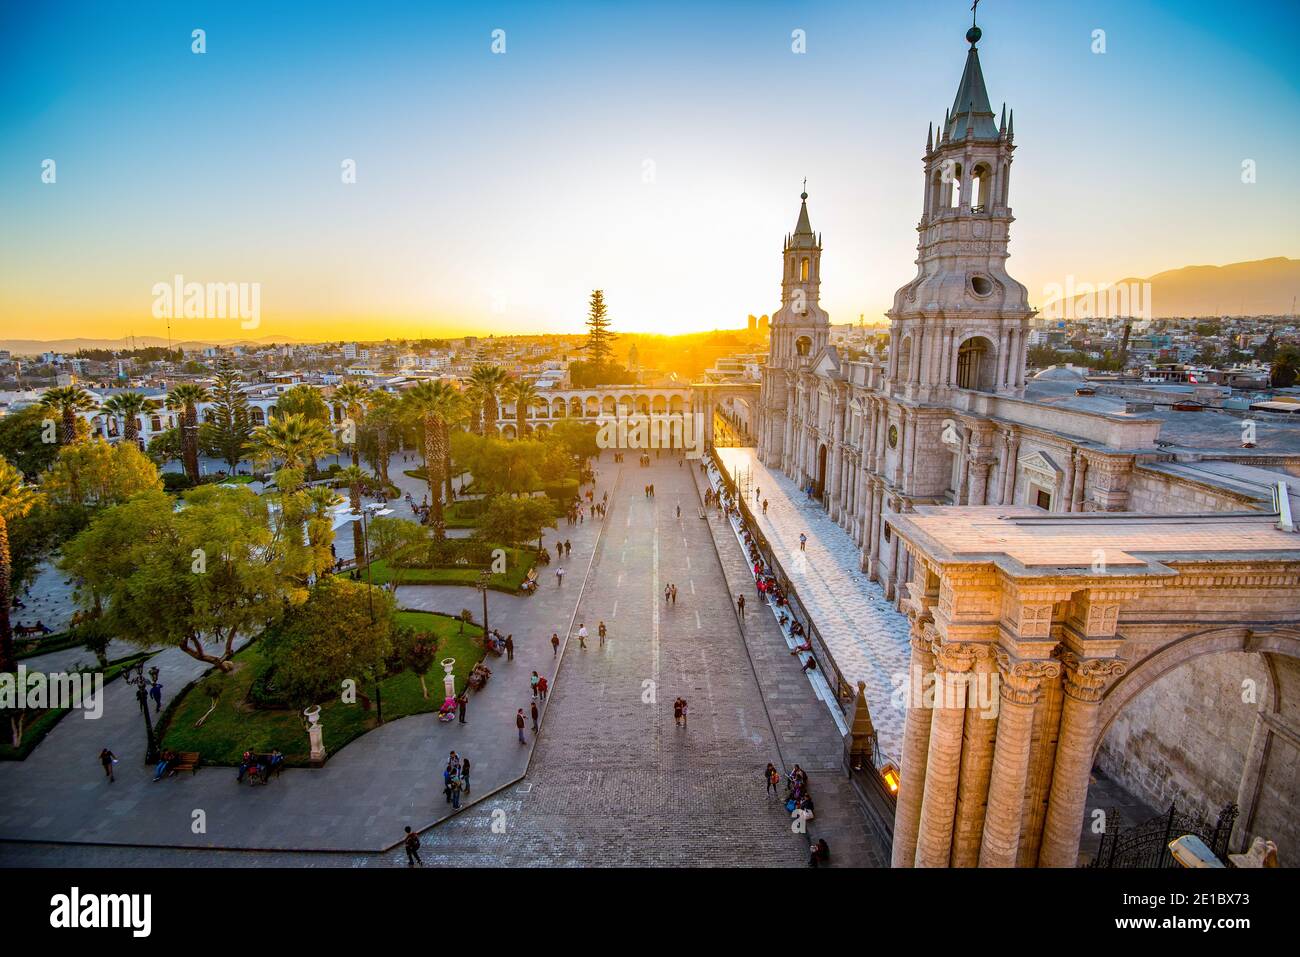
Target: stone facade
point(943, 419)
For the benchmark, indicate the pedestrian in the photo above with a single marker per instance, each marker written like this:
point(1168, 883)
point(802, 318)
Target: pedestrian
point(541, 688)
point(674, 587)
point(582, 636)
point(519, 723)
point(679, 511)
point(447, 773)
point(668, 593)
point(464, 775)
point(764, 506)
point(555, 645)
point(533, 682)
point(455, 792)
point(677, 711)
point(534, 710)
point(568, 547)
point(462, 701)
point(510, 647)
point(773, 777)
point(685, 712)
point(803, 542)
point(601, 631)
point(559, 577)
point(740, 605)
point(107, 758)
point(155, 692)
point(412, 845)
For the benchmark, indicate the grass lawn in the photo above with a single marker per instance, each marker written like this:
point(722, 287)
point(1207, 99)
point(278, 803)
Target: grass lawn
point(518, 561)
point(30, 647)
point(236, 726)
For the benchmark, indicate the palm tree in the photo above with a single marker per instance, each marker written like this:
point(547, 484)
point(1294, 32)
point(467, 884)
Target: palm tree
point(486, 382)
point(433, 402)
point(68, 401)
point(185, 398)
point(351, 398)
point(129, 407)
point(1285, 369)
point(382, 416)
point(295, 440)
point(455, 417)
point(16, 500)
point(523, 393)
point(355, 478)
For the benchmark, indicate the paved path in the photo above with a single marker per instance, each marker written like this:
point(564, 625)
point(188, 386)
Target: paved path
point(612, 780)
point(865, 635)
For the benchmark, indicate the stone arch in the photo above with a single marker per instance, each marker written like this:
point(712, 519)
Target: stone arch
point(541, 428)
point(903, 367)
point(981, 192)
point(1284, 640)
point(508, 431)
point(609, 405)
point(977, 363)
point(803, 346)
point(591, 407)
point(575, 407)
point(625, 405)
point(676, 404)
point(659, 404)
point(558, 408)
point(642, 404)
point(256, 415)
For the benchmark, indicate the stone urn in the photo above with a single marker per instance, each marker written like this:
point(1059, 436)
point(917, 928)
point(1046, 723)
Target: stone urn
point(315, 734)
point(448, 679)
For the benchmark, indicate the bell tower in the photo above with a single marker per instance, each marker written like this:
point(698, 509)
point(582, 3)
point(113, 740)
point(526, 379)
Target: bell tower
point(963, 322)
point(800, 328)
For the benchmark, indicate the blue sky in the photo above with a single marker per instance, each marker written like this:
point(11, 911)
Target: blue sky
point(494, 191)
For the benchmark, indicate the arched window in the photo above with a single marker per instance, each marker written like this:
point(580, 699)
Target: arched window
point(980, 186)
point(975, 365)
point(803, 269)
point(953, 194)
point(802, 345)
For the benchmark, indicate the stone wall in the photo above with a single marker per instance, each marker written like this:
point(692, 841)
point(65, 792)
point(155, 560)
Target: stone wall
point(1155, 494)
point(1185, 738)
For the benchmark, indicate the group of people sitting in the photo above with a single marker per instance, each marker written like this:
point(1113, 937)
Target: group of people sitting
point(258, 767)
point(799, 803)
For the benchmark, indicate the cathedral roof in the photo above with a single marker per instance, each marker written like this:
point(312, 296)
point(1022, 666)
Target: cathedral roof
point(970, 108)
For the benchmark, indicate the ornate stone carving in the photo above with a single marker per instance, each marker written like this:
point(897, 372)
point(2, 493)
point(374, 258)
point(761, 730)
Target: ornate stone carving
point(1022, 678)
point(1085, 678)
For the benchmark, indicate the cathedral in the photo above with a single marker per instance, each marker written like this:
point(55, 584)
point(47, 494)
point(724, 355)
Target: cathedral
point(944, 440)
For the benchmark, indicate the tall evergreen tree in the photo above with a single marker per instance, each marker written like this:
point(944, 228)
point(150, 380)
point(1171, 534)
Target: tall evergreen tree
point(600, 340)
point(231, 425)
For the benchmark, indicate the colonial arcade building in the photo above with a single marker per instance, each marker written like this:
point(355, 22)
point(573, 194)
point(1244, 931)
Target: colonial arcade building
point(1029, 540)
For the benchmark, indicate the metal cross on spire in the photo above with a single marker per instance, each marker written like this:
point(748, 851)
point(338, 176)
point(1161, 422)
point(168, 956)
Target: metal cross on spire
point(973, 12)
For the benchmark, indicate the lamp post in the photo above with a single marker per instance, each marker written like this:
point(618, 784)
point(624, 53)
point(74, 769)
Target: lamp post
point(482, 585)
point(359, 515)
point(142, 696)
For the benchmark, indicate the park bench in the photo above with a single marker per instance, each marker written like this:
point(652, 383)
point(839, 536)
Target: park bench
point(261, 761)
point(185, 761)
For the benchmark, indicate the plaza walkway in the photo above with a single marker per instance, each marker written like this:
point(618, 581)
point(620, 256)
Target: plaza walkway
point(611, 780)
point(865, 635)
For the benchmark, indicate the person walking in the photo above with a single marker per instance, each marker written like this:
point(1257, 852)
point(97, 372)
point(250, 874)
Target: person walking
point(601, 631)
point(519, 723)
point(542, 688)
point(773, 777)
point(740, 605)
point(412, 845)
point(803, 542)
point(582, 636)
point(559, 577)
point(555, 645)
point(464, 775)
point(107, 758)
point(568, 547)
point(155, 692)
point(668, 593)
point(679, 512)
point(533, 682)
point(510, 647)
point(674, 588)
point(534, 711)
point(462, 702)
point(677, 711)
point(764, 506)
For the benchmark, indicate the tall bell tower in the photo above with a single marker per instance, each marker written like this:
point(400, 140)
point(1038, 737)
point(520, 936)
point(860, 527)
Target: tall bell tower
point(799, 330)
point(963, 322)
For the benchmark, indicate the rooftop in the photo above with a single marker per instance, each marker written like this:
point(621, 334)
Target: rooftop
point(1027, 542)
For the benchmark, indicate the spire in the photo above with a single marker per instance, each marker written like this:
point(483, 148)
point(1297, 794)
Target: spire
point(929, 139)
point(1011, 126)
point(803, 232)
point(970, 108)
point(1002, 125)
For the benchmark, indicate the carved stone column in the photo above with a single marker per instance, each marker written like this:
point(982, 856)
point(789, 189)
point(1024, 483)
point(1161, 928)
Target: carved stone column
point(916, 746)
point(1084, 681)
point(943, 763)
point(976, 760)
point(1021, 682)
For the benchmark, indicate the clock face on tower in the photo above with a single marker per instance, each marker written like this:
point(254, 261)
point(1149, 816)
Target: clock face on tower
point(893, 436)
